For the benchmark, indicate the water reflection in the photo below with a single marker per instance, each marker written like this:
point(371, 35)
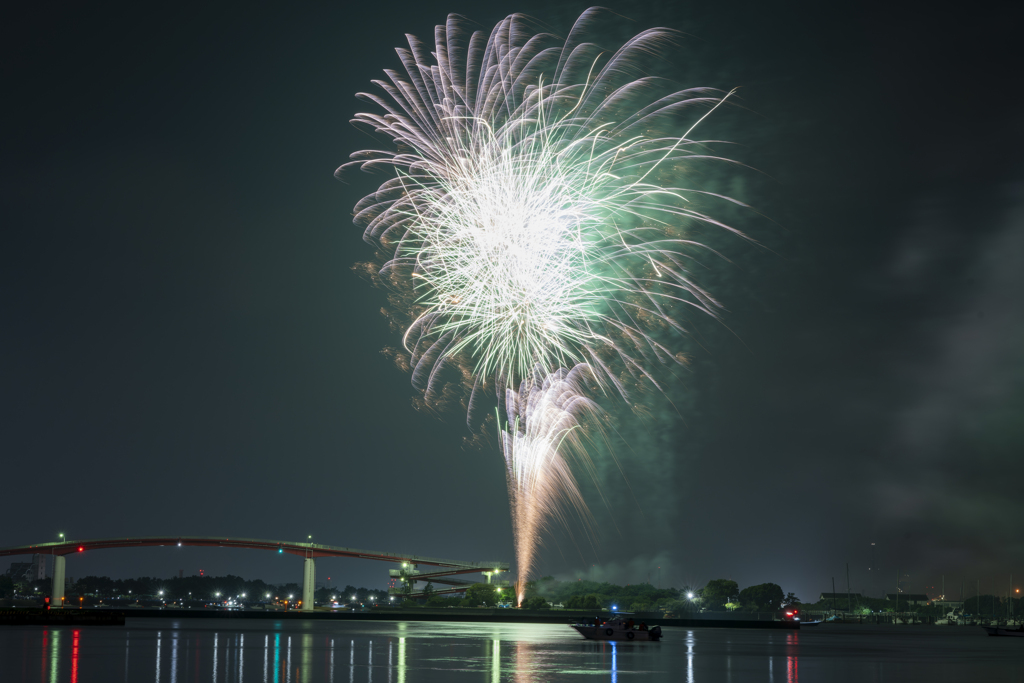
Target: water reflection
point(307, 658)
point(42, 663)
point(276, 656)
point(496, 661)
point(524, 663)
point(174, 658)
point(792, 659)
point(194, 651)
point(74, 657)
point(401, 660)
point(690, 642)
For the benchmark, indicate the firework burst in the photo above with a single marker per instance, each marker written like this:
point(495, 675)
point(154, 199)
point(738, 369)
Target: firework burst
point(537, 219)
point(536, 208)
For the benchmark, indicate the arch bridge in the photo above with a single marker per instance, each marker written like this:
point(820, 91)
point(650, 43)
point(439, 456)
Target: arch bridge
point(309, 551)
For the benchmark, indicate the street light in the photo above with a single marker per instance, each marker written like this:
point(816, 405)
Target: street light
point(690, 596)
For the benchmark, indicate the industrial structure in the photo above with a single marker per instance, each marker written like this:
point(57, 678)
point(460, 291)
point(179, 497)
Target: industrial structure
point(308, 551)
point(409, 574)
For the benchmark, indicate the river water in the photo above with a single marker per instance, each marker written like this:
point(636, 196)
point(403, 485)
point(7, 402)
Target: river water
point(264, 651)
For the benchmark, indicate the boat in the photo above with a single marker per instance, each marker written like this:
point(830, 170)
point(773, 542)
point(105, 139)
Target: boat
point(617, 629)
point(810, 623)
point(999, 631)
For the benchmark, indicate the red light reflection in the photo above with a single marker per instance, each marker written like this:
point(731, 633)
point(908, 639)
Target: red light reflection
point(46, 635)
point(74, 657)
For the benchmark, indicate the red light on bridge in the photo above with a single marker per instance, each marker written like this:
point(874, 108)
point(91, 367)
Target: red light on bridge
point(80, 548)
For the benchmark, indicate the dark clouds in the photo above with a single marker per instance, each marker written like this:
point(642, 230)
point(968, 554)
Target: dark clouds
point(185, 349)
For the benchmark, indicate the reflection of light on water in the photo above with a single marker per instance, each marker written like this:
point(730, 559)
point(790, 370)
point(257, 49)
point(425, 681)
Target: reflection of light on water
point(331, 679)
point(369, 666)
point(42, 659)
point(401, 660)
point(615, 663)
point(266, 656)
point(524, 661)
point(352, 661)
point(214, 655)
point(277, 656)
point(159, 639)
point(74, 657)
point(496, 661)
point(792, 663)
point(307, 656)
point(174, 659)
point(690, 640)
point(389, 660)
point(241, 661)
point(288, 662)
point(54, 655)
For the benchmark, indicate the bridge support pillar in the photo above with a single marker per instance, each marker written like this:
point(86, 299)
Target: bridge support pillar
point(57, 593)
point(308, 584)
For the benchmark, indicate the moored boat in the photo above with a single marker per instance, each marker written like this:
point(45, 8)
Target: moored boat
point(1000, 631)
point(618, 629)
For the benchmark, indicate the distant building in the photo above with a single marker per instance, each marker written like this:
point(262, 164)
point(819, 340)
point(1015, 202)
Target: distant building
point(28, 571)
point(908, 598)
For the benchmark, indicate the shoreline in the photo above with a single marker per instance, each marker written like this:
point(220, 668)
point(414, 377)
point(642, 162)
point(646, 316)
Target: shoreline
point(27, 616)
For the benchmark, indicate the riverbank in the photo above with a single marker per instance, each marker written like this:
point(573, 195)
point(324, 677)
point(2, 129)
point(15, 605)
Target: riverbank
point(501, 616)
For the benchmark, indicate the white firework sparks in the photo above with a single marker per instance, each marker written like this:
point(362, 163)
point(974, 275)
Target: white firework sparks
point(544, 434)
point(536, 203)
point(538, 211)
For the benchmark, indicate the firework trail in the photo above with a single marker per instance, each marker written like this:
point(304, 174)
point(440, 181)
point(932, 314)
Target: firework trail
point(542, 437)
point(536, 220)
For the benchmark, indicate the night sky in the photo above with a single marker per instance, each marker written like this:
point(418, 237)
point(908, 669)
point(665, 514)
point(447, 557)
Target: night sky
point(184, 348)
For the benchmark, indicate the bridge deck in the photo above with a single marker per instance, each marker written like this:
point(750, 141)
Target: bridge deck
point(68, 547)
